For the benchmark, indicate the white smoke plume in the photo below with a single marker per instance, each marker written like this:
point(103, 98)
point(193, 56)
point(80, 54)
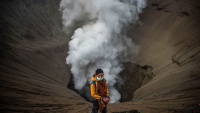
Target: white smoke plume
point(99, 42)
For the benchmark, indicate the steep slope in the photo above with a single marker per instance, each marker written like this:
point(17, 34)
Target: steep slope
point(169, 36)
point(34, 75)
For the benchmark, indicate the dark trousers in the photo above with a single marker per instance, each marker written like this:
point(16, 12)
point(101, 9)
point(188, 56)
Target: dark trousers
point(95, 107)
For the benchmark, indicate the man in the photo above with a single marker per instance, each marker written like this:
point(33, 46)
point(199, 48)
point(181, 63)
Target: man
point(99, 92)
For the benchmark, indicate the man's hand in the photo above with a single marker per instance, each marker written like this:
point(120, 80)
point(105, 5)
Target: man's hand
point(106, 99)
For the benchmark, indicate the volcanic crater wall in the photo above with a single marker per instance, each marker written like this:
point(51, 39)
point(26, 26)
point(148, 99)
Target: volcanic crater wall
point(33, 48)
point(34, 76)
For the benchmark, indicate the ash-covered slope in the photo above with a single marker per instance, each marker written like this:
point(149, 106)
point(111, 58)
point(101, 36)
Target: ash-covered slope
point(33, 48)
point(170, 43)
point(169, 36)
point(34, 75)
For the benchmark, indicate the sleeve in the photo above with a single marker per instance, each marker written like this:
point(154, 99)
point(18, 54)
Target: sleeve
point(107, 92)
point(93, 92)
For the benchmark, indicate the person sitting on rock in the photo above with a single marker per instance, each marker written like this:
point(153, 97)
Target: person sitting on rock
point(99, 92)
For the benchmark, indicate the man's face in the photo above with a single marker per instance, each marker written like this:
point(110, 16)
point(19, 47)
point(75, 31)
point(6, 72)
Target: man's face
point(100, 75)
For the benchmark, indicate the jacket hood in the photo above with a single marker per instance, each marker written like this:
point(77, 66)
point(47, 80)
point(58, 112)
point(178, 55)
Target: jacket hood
point(93, 78)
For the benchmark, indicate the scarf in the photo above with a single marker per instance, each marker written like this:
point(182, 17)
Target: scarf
point(101, 90)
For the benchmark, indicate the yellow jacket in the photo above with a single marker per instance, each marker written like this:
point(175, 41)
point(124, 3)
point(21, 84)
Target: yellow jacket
point(94, 94)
